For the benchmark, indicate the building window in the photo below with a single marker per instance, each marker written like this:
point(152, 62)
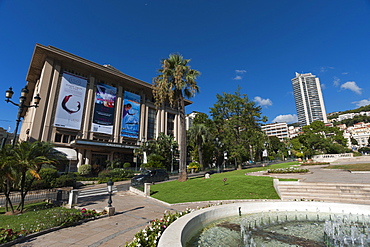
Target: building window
point(152, 117)
point(170, 124)
point(64, 138)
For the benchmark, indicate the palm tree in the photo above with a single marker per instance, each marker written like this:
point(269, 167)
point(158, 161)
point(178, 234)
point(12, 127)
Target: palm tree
point(30, 157)
point(199, 134)
point(175, 82)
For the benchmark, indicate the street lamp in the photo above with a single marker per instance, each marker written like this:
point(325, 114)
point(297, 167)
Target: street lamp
point(21, 106)
point(110, 190)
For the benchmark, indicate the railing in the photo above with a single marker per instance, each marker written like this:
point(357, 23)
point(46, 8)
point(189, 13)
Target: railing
point(331, 157)
point(36, 196)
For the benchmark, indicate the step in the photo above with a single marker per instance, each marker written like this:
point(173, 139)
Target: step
point(95, 192)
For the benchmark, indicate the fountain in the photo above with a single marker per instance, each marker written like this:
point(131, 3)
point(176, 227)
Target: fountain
point(266, 223)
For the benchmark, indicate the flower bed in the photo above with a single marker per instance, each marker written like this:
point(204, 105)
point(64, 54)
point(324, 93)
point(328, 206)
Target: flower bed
point(54, 217)
point(288, 170)
point(151, 234)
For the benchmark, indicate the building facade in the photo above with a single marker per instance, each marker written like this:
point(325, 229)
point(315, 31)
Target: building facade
point(280, 130)
point(308, 99)
point(93, 113)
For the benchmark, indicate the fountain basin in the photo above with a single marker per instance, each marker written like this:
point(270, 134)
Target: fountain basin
point(182, 230)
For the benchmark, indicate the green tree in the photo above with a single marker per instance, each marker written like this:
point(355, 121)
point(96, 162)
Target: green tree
point(238, 123)
point(199, 135)
point(164, 145)
point(318, 138)
point(175, 82)
point(7, 175)
point(30, 157)
point(354, 141)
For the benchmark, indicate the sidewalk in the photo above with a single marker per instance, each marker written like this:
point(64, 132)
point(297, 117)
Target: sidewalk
point(133, 212)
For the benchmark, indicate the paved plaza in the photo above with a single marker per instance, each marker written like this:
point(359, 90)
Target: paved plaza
point(133, 212)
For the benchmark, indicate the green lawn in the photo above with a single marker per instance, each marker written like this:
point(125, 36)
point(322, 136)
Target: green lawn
point(351, 167)
point(237, 186)
point(37, 217)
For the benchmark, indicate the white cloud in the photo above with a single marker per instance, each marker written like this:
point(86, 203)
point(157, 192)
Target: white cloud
point(351, 85)
point(240, 71)
point(362, 102)
point(262, 102)
point(336, 81)
point(325, 68)
point(345, 73)
point(289, 118)
point(238, 77)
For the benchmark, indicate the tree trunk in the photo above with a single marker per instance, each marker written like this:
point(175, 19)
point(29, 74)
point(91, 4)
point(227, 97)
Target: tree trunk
point(8, 202)
point(200, 153)
point(183, 176)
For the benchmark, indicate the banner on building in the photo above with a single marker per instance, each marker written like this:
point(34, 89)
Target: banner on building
point(131, 115)
point(103, 119)
point(70, 102)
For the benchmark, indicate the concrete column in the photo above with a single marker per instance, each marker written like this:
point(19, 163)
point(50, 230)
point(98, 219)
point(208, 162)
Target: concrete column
point(80, 157)
point(147, 189)
point(118, 115)
point(73, 198)
point(176, 127)
point(89, 107)
point(35, 118)
point(88, 157)
point(51, 105)
point(143, 118)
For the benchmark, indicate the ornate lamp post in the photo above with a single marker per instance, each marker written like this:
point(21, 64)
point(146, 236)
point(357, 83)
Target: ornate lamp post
point(110, 191)
point(21, 106)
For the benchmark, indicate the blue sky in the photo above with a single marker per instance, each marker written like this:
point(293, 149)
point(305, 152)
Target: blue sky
point(257, 45)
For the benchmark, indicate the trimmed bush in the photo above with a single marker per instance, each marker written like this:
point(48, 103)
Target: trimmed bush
point(84, 170)
point(40, 185)
point(115, 173)
point(65, 181)
point(49, 175)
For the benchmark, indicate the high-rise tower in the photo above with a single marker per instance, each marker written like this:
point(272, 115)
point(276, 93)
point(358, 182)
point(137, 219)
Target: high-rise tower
point(309, 101)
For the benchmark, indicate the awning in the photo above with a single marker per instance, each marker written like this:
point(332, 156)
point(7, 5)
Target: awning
point(70, 153)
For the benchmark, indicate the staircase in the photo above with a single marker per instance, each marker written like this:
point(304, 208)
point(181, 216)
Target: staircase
point(326, 192)
point(95, 192)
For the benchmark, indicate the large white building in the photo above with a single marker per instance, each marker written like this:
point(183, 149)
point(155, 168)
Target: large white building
point(280, 130)
point(308, 99)
point(93, 113)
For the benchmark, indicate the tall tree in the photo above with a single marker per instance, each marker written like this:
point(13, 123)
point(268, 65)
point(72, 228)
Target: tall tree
point(175, 82)
point(238, 121)
point(7, 174)
point(199, 135)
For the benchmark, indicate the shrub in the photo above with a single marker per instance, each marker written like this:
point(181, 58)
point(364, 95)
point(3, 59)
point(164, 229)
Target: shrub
point(49, 175)
point(126, 165)
point(115, 173)
point(40, 185)
point(65, 181)
point(193, 165)
point(155, 161)
point(84, 170)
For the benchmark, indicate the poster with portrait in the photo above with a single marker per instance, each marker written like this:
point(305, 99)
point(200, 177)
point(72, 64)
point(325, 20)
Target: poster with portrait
point(71, 100)
point(103, 119)
point(130, 115)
